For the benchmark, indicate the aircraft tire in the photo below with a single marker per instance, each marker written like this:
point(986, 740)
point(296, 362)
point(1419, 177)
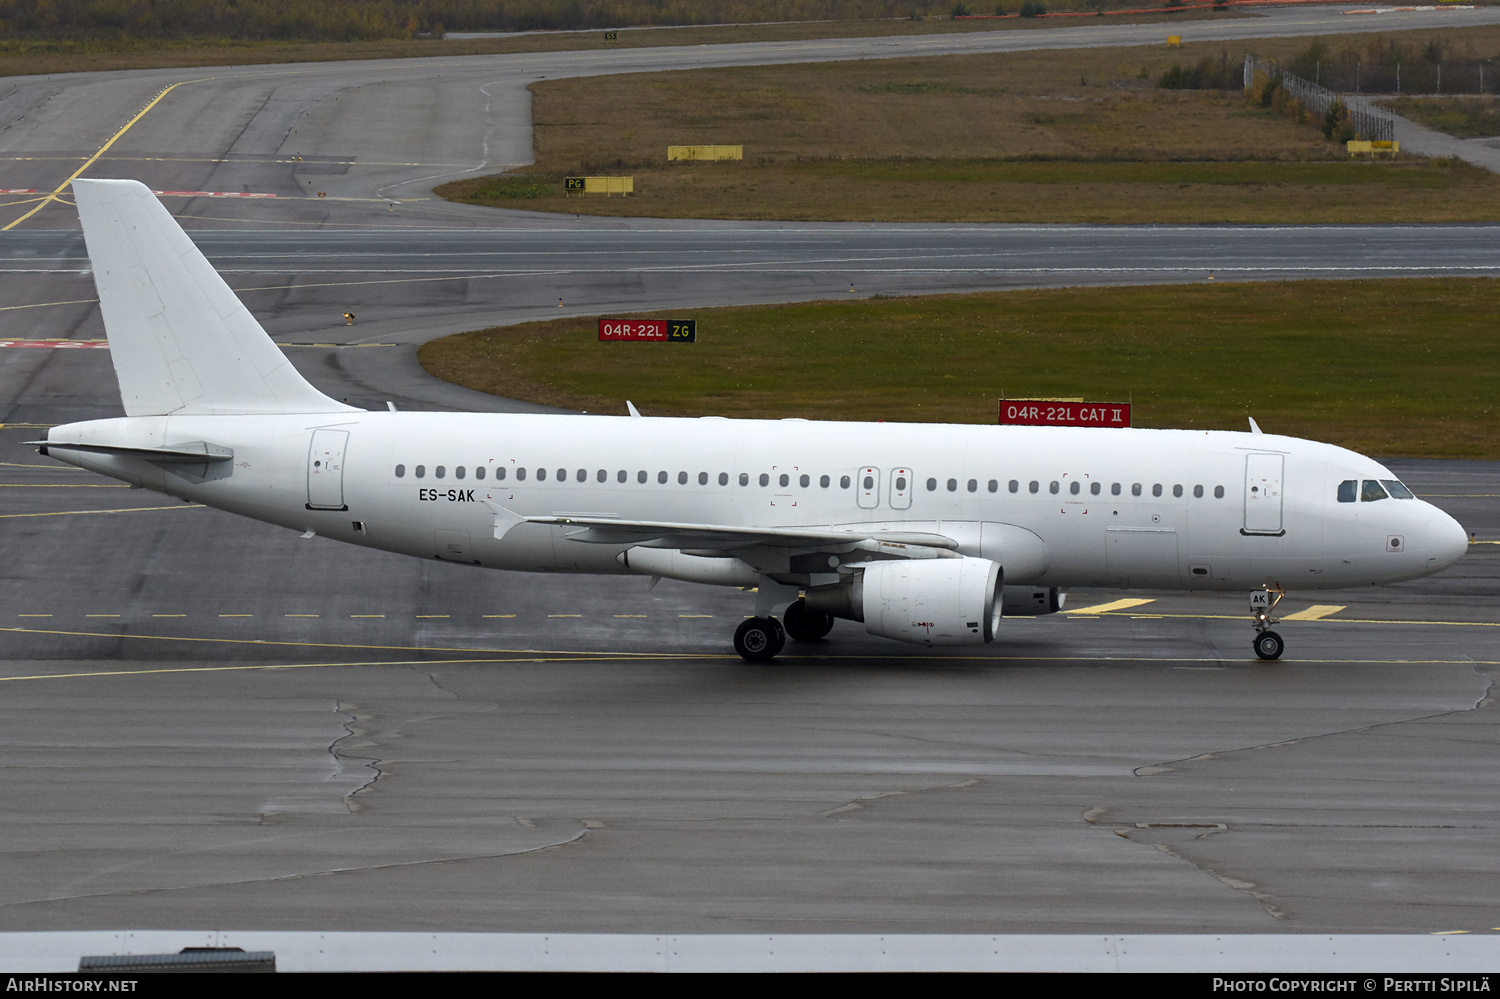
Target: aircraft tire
point(759, 639)
point(803, 625)
point(1268, 645)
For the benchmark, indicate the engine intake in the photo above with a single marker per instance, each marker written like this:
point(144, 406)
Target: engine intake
point(942, 601)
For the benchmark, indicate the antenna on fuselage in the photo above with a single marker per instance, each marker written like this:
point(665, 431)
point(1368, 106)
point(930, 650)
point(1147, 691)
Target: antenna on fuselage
point(1254, 427)
point(634, 413)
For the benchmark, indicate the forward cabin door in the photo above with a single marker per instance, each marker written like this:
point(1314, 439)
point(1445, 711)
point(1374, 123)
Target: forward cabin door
point(325, 470)
point(1263, 493)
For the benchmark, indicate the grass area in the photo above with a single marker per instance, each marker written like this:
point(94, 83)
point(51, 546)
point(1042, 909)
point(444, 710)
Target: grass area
point(21, 57)
point(1465, 117)
point(1395, 368)
point(1071, 135)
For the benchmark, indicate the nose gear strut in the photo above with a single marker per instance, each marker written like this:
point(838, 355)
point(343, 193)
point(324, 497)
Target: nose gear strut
point(1267, 644)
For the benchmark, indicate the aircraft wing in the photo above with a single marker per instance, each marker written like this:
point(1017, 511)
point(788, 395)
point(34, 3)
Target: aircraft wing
point(725, 537)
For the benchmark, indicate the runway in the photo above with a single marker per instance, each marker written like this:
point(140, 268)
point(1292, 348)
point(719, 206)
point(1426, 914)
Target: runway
point(212, 723)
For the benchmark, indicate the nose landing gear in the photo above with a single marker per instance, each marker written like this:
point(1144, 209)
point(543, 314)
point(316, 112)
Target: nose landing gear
point(1267, 644)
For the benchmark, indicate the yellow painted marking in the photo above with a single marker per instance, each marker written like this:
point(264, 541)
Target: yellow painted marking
point(60, 485)
point(695, 615)
point(1448, 933)
point(1146, 617)
point(367, 615)
point(565, 615)
point(43, 305)
point(27, 464)
point(102, 150)
point(499, 615)
point(429, 615)
point(169, 615)
point(101, 615)
point(1113, 605)
point(126, 509)
point(1316, 612)
point(236, 615)
point(630, 615)
point(33, 615)
point(301, 615)
point(1484, 542)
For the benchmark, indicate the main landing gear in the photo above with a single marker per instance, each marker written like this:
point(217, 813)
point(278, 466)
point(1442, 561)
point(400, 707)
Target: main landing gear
point(759, 639)
point(1267, 644)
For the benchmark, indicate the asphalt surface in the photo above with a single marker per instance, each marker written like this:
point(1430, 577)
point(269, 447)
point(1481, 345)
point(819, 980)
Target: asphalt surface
point(213, 723)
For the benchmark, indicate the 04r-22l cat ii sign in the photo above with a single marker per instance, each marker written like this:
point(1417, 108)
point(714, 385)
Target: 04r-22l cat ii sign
point(924, 533)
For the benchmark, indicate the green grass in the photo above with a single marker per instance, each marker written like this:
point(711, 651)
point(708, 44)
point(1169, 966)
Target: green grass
point(1385, 367)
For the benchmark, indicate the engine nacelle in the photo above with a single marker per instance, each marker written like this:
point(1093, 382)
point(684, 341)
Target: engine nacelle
point(1031, 601)
point(941, 601)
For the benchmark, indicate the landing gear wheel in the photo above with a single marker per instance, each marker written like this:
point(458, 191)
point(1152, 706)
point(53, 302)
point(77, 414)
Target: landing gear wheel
point(758, 639)
point(1268, 645)
point(803, 625)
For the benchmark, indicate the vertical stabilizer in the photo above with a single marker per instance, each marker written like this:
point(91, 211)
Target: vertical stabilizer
point(180, 340)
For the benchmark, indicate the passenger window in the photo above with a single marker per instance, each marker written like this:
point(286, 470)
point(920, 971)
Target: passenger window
point(1156, 489)
point(1034, 486)
point(1094, 488)
point(562, 475)
point(900, 483)
point(869, 482)
point(599, 476)
point(541, 474)
point(1055, 487)
point(1397, 489)
point(1218, 492)
point(765, 480)
point(520, 475)
point(478, 471)
point(641, 476)
point(1074, 487)
point(682, 478)
point(1015, 486)
point(582, 475)
point(953, 485)
point(500, 472)
point(1197, 492)
point(438, 472)
point(804, 482)
point(421, 471)
point(459, 472)
point(622, 476)
point(932, 485)
point(744, 478)
point(823, 481)
point(843, 482)
point(723, 478)
point(400, 471)
point(1135, 489)
point(661, 478)
point(702, 478)
point(1371, 492)
point(785, 479)
point(994, 486)
point(1177, 491)
point(973, 485)
point(1114, 489)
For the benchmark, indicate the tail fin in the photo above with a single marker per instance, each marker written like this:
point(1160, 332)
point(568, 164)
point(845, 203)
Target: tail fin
point(180, 340)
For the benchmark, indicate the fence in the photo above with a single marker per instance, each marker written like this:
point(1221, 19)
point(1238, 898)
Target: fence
point(1366, 122)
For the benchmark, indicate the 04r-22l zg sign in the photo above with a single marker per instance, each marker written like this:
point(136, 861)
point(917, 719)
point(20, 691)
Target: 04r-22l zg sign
point(662, 330)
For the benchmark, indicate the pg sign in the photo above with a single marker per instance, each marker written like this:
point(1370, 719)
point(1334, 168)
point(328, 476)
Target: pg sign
point(660, 330)
point(1057, 413)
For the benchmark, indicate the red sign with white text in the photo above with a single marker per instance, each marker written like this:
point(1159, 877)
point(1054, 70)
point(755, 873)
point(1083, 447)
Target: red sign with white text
point(1044, 413)
point(664, 330)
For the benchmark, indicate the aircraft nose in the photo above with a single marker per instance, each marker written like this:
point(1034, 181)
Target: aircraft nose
point(1446, 541)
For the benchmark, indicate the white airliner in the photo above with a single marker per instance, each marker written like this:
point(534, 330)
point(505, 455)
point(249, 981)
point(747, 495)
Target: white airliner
point(925, 533)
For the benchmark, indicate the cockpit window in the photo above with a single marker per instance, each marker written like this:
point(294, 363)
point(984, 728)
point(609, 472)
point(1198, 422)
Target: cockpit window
point(1372, 491)
point(1348, 490)
point(1397, 489)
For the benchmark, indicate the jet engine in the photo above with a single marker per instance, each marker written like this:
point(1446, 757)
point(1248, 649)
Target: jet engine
point(942, 601)
point(1032, 601)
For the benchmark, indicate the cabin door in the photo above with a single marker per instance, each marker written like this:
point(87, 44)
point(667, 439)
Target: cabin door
point(1263, 493)
point(325, 470)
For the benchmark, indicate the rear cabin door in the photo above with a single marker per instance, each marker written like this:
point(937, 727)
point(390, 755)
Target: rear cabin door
point(325, 470)
point(1263, 493)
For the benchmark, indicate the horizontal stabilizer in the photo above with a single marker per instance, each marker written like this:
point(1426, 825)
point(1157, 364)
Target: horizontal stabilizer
point(198, 452)
point(180, 340)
